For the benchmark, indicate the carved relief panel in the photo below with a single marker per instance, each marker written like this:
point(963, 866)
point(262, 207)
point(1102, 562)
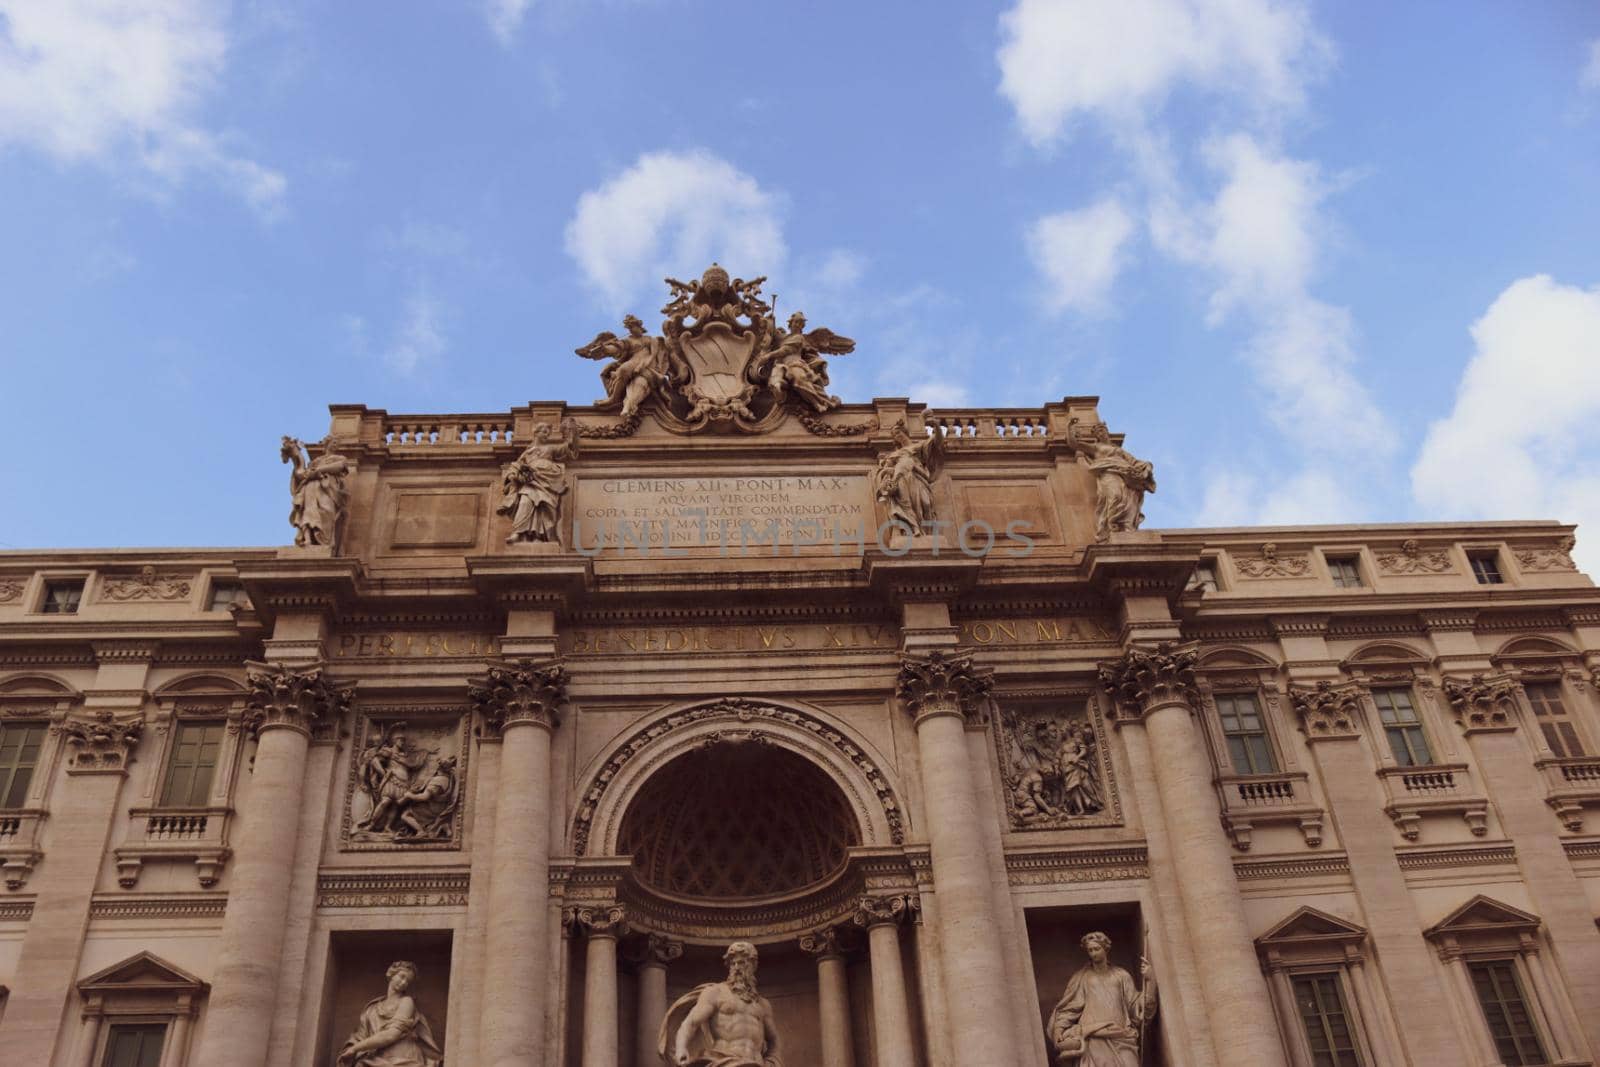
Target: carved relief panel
point(407, 784)
point(1054, 771)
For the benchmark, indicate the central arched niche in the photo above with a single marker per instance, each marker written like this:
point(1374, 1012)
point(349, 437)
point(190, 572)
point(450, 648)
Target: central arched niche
point(737, 820)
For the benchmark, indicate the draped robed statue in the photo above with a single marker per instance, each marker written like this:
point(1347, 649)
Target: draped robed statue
point(1100, 1019)
point(391, 1031)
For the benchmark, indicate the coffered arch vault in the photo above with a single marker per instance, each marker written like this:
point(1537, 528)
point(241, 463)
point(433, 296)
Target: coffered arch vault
point(617, 776)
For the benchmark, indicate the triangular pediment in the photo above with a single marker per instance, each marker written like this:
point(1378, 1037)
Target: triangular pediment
point(142, 971)
point(1482, 914)
point(1311, 924)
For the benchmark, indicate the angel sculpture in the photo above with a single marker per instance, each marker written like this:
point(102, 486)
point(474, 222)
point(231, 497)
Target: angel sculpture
point(535, 482)
point(638, 365)
point(795, 363)
point(904, 480)
point(317, 493)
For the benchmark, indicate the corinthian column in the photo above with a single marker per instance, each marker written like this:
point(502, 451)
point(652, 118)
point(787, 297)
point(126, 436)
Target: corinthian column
point(600, 1033)
point(833, 997)
point(891, 1014)
point(522, 703)
point(655, 953)
point(1155, 688)
point(940, 691)
point(282, 707)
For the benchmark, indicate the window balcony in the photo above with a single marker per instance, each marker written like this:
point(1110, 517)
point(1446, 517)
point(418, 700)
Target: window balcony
point(1434, 789)
point(1571, 783)
point(196, 834)
point(1251, 800)
point(19, 844)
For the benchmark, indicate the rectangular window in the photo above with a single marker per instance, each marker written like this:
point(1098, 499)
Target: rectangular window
point(1486, 568)
point(1203, 578)
point(1551, 712)
point(62, 598)
point(1346, 575)
point(1404, 729)
point(1248, 746)
point(224, 595)
point(1516, 1042)
point(195, 750)
point(20, 743)
point(135, 1046)
point(1327, 1023)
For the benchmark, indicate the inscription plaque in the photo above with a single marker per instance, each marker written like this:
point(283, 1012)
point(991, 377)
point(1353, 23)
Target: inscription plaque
point(791, 510)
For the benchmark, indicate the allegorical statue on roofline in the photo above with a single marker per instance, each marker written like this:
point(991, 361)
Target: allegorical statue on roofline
point(317, 493)
point(533, 484)
point(721, 360)
point(1121, 480)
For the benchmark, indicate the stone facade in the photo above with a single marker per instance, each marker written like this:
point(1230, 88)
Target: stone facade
point(548, 708)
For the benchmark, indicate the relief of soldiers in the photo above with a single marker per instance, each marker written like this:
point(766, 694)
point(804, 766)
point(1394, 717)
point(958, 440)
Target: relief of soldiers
point(408, 798)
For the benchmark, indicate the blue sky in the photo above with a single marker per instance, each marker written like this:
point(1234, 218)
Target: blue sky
point(1321, 261)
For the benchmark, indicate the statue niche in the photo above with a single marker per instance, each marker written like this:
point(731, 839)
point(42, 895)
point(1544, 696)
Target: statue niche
point(406, 784)
point(392, 1031)
point(1050, 761)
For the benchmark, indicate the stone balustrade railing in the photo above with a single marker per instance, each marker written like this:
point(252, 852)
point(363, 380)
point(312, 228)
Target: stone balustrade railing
point(436, 431)
point(988, 424)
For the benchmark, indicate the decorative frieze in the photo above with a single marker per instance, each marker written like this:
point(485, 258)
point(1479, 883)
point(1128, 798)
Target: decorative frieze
point(146, 585)
point(1144, 680)
point(521, 692)
point(281, 696)
point(438, 888)
point(101, 742)
point(10, 590)
point(1553, 558)
point(1269, 564)
point(943, 684)
point(1483, 702)
point(174, 906)
point(1328, 711)
point(1412, 558)
point(1077, 865)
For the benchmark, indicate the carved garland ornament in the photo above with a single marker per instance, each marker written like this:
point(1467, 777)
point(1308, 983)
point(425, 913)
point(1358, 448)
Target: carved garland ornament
point(524, 692)
point(943, 684)
point(299, 700)
point(1271, 565)
point(1483, 703)
point(1411, 559)
point(146, 585)
point(1328, 710)
point(1558, 558)
point(745, 711)
point(1143, 680)
point(9, 591)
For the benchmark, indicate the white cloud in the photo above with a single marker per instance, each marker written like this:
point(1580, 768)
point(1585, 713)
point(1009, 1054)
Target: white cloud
point(1590, 78)
point(1080, 253)
point(418, 338)
point(1523, 438)
point(673, 213)
point(1119, 59)
point(112, 81)
point(505, 18)
point(1310, 495)
point(842, 269)
point(1259, 239)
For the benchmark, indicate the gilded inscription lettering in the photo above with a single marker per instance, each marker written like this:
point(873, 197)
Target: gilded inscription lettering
point(410, 645)
point(1033, 631)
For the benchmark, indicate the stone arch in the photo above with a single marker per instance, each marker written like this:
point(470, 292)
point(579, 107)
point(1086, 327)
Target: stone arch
point(201, 683)
point(618, 774)
point(1224, 656)
point(34, 684)
point(1534, 645)
point(1386, 651)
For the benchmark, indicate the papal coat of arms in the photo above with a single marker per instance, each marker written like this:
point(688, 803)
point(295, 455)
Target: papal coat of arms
point(721, 360)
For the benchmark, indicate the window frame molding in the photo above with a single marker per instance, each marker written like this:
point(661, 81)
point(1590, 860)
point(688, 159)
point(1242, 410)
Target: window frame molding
point(41, 585)
point(1292, 947)
point(33, 698)
point(159, 832)
point(1251, 800)
point(120, 994)
point(1366, 567)
point(1487, 929)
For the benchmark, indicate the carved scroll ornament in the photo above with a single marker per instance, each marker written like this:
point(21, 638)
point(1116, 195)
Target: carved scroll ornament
point(1328, 711)
point(1483, 702)
point(943, 684)
point(1558, 558)
point(890, 910)
point(1411, 559)
point(281, 696)
point(147, 585)
point(1271, 565)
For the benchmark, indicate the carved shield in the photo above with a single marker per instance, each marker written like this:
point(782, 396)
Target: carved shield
point(717, 358)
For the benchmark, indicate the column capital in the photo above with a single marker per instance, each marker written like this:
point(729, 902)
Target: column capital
point(654, 950)
point(281, 696)
point(941, 683)
point(101, 742)
point(883, 911)
point(823, 944)
point(1482, 702)
point(1328, 711)
point(514, 693)
point(1143, 680)
point(599, 920)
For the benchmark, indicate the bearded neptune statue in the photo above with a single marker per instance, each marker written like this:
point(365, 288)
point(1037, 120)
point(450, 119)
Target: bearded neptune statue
point(728, 1024)
point(1100, 1019)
